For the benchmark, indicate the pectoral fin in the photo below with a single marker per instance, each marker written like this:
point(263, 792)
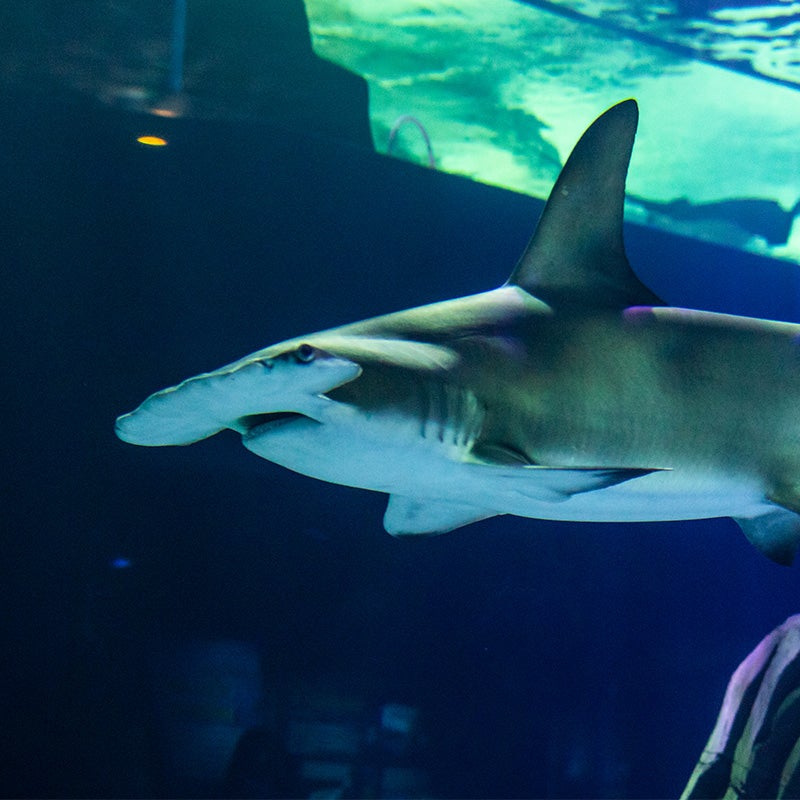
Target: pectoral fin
point(407, 516)
point(552, 484)
point(556, 484)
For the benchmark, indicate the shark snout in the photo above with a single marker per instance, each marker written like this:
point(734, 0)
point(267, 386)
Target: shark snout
point(239, 397)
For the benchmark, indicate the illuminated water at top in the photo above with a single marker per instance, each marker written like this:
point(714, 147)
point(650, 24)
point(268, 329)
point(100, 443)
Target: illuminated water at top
point(504, 89)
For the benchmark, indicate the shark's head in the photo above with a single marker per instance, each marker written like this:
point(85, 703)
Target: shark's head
point(285, 381)
point(274, 386)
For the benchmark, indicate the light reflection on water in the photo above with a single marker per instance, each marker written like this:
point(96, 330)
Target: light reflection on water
point(504, 89)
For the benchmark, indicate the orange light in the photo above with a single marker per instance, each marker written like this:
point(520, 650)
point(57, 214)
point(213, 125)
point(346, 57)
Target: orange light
point(169, 113)
point(152, 141)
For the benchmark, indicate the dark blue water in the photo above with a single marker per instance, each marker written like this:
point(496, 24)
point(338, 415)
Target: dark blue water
point(546, 659)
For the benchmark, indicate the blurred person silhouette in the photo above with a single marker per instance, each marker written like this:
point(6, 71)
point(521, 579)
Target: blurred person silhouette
point(754, 749)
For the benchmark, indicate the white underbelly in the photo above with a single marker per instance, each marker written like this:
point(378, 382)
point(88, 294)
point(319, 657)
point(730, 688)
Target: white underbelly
point(427, 471)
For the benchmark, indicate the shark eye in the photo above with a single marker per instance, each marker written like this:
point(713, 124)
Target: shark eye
point(304, 354)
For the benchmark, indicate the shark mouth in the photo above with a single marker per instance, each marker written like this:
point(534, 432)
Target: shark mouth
point(255, 424)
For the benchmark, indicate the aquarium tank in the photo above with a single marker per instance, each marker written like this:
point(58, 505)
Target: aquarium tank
point(501, 91)
point(188, 181)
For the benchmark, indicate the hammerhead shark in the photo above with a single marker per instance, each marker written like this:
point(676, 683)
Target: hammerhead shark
point(572, 392)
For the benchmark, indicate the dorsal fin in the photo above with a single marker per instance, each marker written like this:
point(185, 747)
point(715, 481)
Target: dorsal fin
point(576, 256)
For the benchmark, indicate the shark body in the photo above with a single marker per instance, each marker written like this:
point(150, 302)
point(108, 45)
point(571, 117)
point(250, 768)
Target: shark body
point(570, 393)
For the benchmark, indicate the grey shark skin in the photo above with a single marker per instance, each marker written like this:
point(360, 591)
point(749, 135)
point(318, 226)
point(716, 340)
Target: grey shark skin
point(570, 393)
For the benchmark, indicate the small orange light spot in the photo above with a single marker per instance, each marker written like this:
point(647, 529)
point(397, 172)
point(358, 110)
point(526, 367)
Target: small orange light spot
point(152, 141)
point(169, 113)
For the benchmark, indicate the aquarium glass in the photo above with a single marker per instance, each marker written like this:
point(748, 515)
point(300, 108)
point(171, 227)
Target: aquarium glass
point(502, 89)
